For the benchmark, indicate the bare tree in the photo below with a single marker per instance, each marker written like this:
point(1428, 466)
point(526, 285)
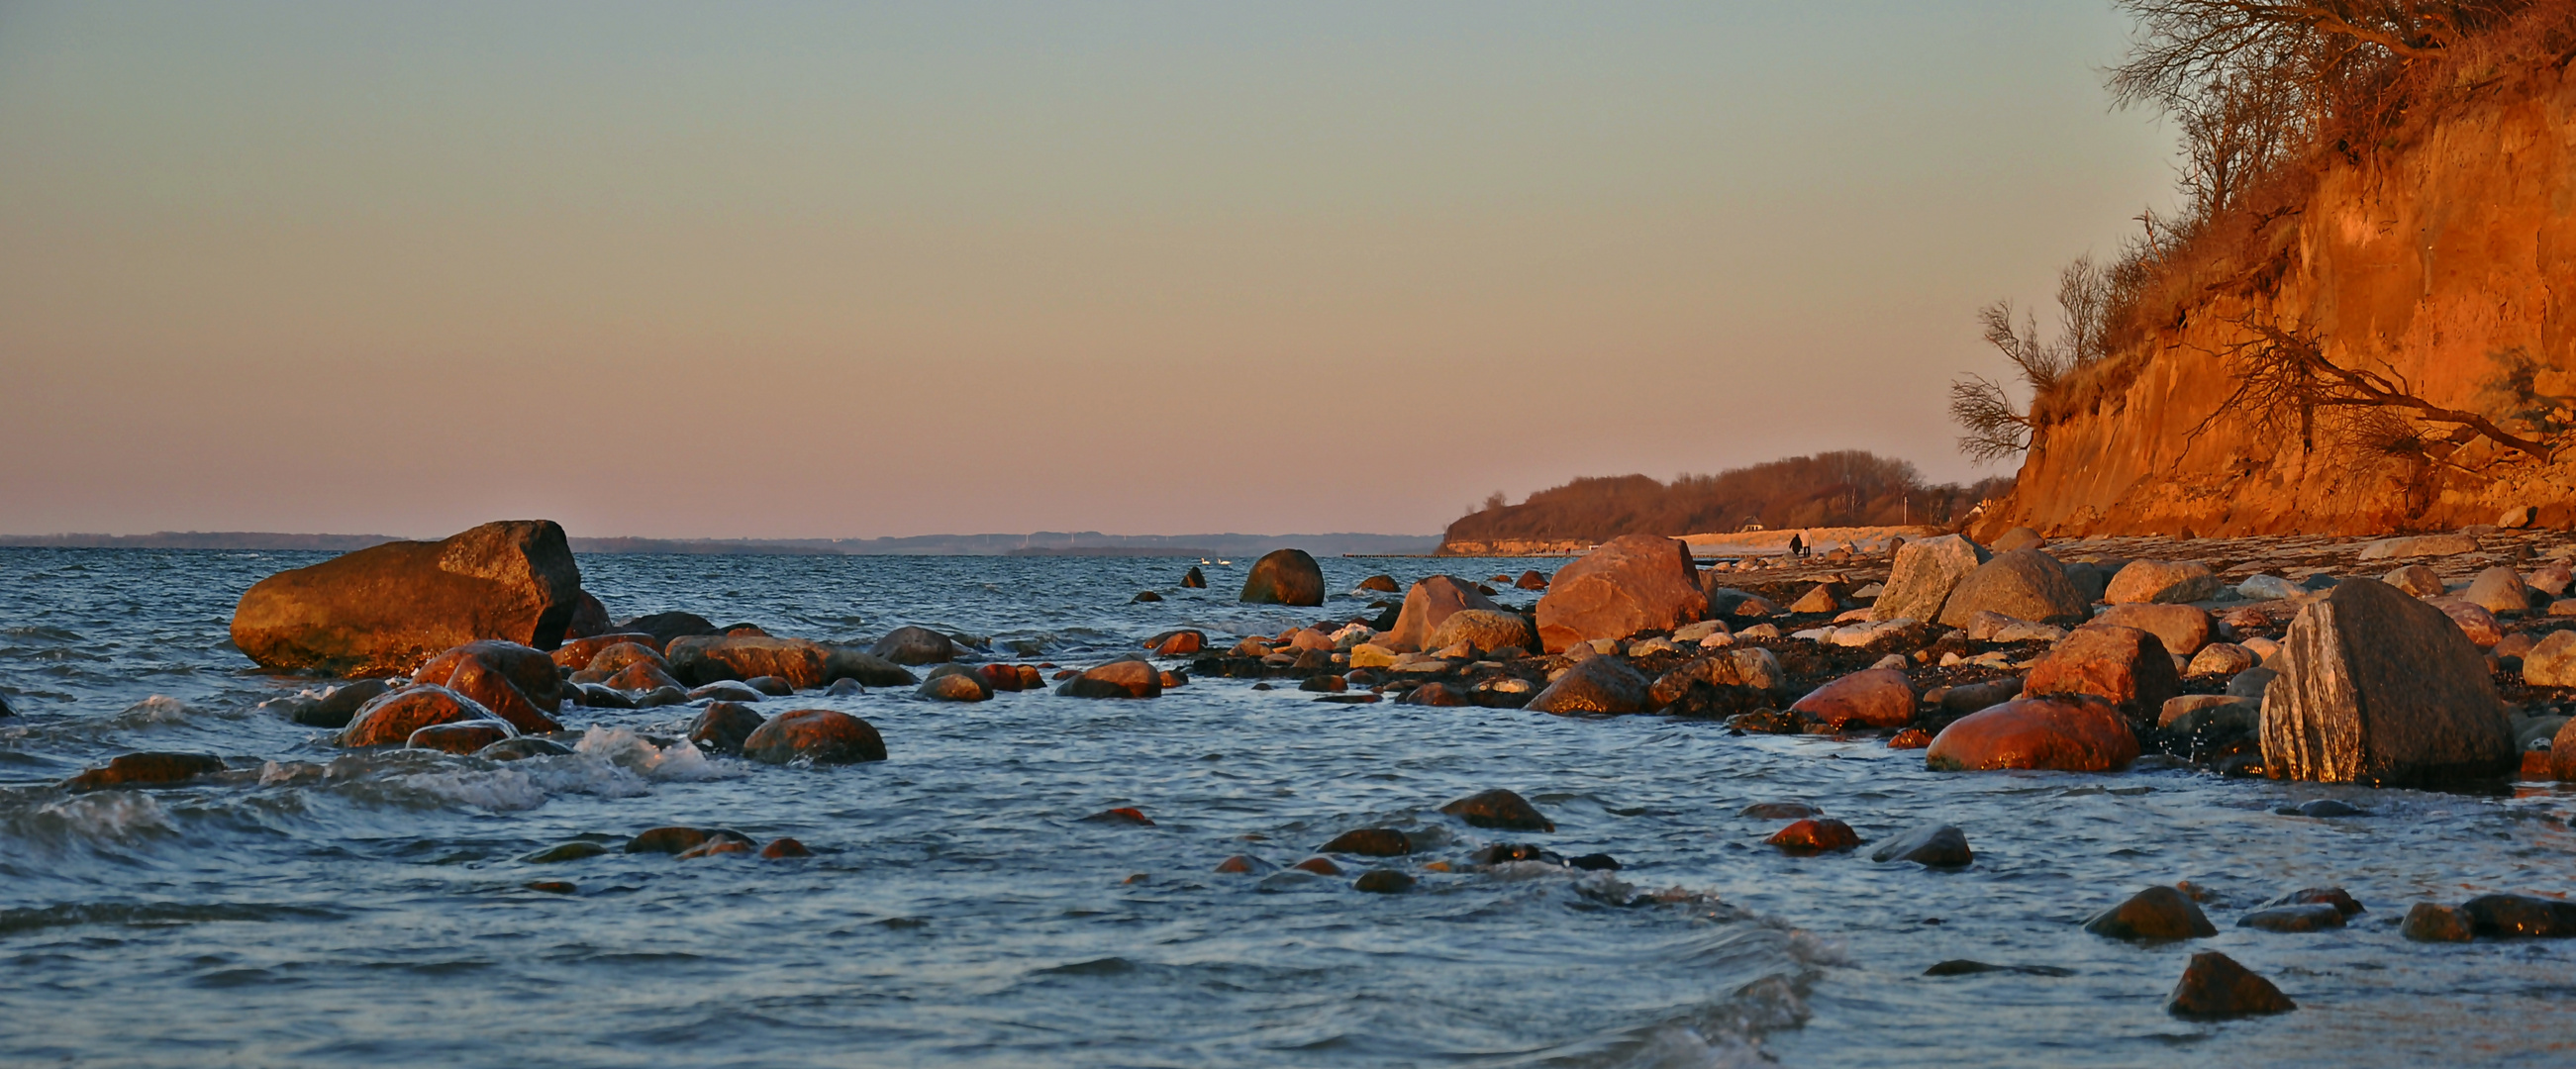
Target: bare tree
point(1996, 429)
point(2283, 374)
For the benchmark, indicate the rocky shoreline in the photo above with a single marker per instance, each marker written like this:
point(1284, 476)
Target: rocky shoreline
point(2434, 660)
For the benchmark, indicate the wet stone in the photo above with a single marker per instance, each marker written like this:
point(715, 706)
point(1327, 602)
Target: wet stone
point(1320, 866)
point(145, 770)
point(1966, 967)
point(1246, 865)
point(1932, 846)
point(1779, 811)
point(522, 748)
point(2431, 923)
point(1815, 835)
point(2314, 917)
point(669, 839)
point(724, 727)
point(782, 848)
point(2215, 987)
point(1383, 882)
point(572, 851)
point(2155, 913)
point(2519, 917)
point(1499, 808)
point(1123, 815)
point(1369, 842)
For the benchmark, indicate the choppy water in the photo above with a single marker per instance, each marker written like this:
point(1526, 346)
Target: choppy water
point(321, 909)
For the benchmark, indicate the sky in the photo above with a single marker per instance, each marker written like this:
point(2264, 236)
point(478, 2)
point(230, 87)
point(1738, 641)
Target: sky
point(856, 270)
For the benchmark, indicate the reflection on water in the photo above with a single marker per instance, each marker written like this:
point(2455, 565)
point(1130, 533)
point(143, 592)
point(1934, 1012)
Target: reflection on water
point(314, 907)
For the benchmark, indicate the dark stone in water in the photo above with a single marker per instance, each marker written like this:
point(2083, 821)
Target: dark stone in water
point(2519, 917)
point(1284, 577)
point(1320, 866)
point(1779, 811)
point(1384, 584)
point(2315, 917)
point(1814, 836)
point(726, 690)
point(1435, 694)
point(1145, 596)
point(598, 696)
point(1594, 863)
point(1768, 722)
point(843, 688)
point(824, 736)
point(1196, 579)
point(1965, 967)
point(670, 839)
point(783, 847)
point(341, 703)
point(387, 607)
point(1501, 852)
point(724, 727)
point(572, 851)
point(2214, 987)
point(1369, 842)
point(1937, 846)
point(1126, 815)
point(2430, 923)
point(723, 842)
point(2156, 913)
point(1499, 808)
point(149, 769)
point(1325, 684)
point(459, 738)
point(552, 887)
point(1383, 882)
point(2332, 896)
point(522, 748)
point(774, 686)
point(665, 626)
point(1246, 864)
point(1350, 699)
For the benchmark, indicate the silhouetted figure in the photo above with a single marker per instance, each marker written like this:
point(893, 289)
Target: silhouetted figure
point(1797, 546)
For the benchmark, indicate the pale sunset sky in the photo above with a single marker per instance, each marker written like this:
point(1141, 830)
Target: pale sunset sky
point(854, 270)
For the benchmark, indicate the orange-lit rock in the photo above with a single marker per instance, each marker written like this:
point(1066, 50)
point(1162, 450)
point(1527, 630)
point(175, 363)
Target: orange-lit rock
point(2066, 733)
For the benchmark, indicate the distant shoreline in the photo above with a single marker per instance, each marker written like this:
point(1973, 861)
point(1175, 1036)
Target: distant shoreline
point(1037, 544)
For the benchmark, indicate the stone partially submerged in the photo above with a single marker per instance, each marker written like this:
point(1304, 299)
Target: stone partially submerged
point(1429, 604)
point(2381, 688)
point(384, 608)
point(1284, 577)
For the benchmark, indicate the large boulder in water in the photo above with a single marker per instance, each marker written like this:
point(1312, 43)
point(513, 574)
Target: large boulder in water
point(390, 719)
point(2024, 584)
point(1872, 698)
point(2123, 665)
point(589, 618)
point(1483, 630)
point(1428, 605)
point(384, 608)
point(1594, 685)
point(1284, 577)
point(576, 654)
point(2063, 733)
point(513, 682)
point(1125, 678)
point(915, 645)
point(823, 736)
point(1920, 580)
point(2381, 688)
point(1631, 583)
point(702, 659)
point(665, 626)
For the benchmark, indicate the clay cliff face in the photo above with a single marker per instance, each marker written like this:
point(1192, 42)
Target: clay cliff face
point(2438, 258)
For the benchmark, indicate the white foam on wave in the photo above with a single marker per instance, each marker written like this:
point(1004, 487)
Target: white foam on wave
point(623, 748)
point(159, 710)
point(109, 816)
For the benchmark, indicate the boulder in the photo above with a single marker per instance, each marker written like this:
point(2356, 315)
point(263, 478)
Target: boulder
point(2552, 661)
point(824, 736)
point(643, 677)
point(1483, 630)
point(1180, 643)
point(2379, 687)
point(1382, 584)
point(2024, 584)
point(391, 718)
point(617, 658)
point(1593, 685)
point(1383, 882)
point(2262, 588)
point(2018, 538)
point(2183, 629)
point(1499, 808)
point(1117, 679)
point(2064, 733)
point(2213, 987)
point(1920, 580)
point(2162, 582)
point(589, 618)
point(1971, 697)
point(1435, 694)
point(1284, 577)
point(514, 682)
point(2440, 545)
point(1939, 846)
point(1429, 604)
point(1716, 686)
point(2474, 621)
point(1194, 579)
point(2313, 917)
point(1246, 865)
point(519, 748)
point(724, 727)
point(1369, 842)
point(2519, 917)
point(700, 659)
point(913, 646)
point(1820, 598)
point(2499, 590)
point(461, 737)
point(2158, 912)
point(2551, 579)
point(1814, 835)
point(382, 609)
point(1530, 580)
point(1997, 627)
point(2416, 580)
point(843, 662)
point(665, 626)
point(2221, 659)
point(577, 654)
point(148, 769)
point(2127, 666)
point(2431, 923)
point(1629, 584)
point(1875, 698)
point(962, 685)
point(340, 703)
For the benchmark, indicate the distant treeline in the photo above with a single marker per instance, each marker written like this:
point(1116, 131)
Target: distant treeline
point(1042, 543)
point(1850, 488)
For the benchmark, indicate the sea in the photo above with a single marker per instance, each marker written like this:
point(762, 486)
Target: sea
point(315, 907)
